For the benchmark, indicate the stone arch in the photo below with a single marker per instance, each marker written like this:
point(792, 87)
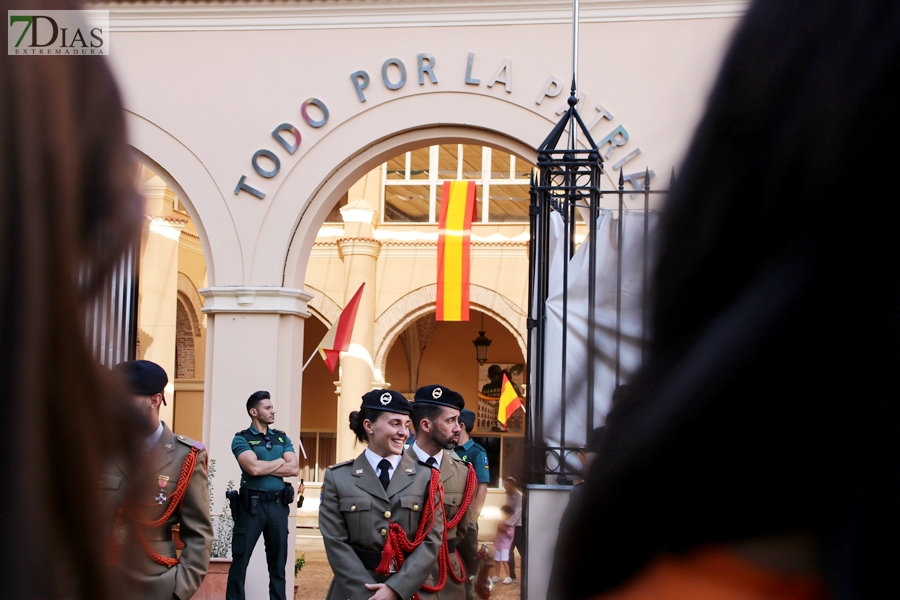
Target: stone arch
point(412, 306)
point(322, 306)
point(183, 171)
point(354, 147)
point(187, 292)
point(185, 334)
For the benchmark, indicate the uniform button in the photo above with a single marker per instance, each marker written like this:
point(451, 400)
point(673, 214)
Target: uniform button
point(384, 532)
point(352, 508)
point(387, 514)
point(415, 507)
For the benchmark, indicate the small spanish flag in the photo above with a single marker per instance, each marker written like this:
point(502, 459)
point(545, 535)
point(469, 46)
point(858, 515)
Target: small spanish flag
point(509, 401)
point(455, 228)
point(337, 339)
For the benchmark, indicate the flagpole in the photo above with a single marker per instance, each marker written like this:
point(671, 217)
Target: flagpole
point(309, 361)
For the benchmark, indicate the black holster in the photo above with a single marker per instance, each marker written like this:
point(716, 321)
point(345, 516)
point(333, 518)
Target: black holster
point(234, 501)
point(287, 494)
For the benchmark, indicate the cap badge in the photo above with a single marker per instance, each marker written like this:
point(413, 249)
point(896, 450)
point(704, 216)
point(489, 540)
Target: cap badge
point(385, 398)
point(437, 393)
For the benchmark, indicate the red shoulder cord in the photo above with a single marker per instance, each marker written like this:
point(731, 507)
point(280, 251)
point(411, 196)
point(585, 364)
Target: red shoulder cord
point(397, 545)
point(175, 500)
point(444, 556)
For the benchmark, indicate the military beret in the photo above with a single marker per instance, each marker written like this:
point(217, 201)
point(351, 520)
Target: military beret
point(438, 394)
point(143, 377)
point(386, 400)
point(467, 418)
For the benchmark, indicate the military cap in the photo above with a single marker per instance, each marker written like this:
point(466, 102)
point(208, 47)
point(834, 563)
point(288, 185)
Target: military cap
point(144, 378)
point(467, 418)
point(386, 400)
point(438, 394)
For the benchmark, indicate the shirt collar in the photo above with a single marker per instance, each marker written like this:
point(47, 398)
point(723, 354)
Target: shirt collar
point(374, 459)
point(424, 456)
point(154, 437)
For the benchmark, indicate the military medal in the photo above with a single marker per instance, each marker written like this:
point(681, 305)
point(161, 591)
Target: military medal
point(161, 498)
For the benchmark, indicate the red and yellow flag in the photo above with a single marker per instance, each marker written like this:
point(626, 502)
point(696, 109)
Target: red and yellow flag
point(509, 401)
point(337, 339)
point(455, 228)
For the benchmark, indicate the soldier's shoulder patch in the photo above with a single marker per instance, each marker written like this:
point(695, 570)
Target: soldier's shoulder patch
point(190, 442)
point(341, 464)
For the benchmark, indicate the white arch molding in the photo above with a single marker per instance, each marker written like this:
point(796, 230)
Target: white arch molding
point(189, 178)
point(408, 309)
point(356, 146)
point(322, 306)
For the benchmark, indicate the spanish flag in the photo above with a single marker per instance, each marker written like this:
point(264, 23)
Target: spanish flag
point(455, 228)
point(337, 339)
point(509, 401)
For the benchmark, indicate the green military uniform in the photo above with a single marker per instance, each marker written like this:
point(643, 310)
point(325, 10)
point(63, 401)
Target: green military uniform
point(147, 579)
point(270, 520)
point(464, 537)
point(354, 518)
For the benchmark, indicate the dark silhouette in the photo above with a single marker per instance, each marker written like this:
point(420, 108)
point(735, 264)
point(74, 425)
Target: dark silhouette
point(768, 409)
point(68, 210)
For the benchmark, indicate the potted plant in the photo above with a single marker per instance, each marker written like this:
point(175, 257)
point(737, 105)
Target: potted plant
point(216, 580)
point(298, 564)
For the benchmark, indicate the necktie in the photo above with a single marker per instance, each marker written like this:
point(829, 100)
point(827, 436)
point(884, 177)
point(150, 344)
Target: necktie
point(383, 477)
point(430, 462)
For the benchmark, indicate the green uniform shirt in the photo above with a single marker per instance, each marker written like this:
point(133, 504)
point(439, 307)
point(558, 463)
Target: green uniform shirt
point(281, 443)
point(475, 455)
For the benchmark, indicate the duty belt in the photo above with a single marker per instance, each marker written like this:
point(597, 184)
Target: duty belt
point(265, 496)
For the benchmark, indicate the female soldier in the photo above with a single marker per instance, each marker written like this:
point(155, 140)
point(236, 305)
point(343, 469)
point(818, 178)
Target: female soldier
point(381, 514)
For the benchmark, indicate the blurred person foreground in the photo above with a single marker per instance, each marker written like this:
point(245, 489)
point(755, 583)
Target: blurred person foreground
point(68, 210)
point(758, 454)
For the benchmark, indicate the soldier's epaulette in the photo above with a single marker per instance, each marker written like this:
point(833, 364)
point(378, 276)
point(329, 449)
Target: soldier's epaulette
point(341, 464)
point(189, 442)
point(454, 456)
point(276, 431)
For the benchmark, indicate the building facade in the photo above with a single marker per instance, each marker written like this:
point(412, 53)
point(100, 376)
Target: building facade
point(292, 151)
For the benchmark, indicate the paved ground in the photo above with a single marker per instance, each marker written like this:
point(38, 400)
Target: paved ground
point(316, 575)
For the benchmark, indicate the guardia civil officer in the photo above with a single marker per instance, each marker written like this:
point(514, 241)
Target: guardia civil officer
point(474, 453)
point(436, 418)
point(381, 509)
point(266, 456)
point(172, 489)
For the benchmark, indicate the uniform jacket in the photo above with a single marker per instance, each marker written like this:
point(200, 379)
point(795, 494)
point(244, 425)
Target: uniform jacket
point(355, 513)
point(145, 578)
point(454, 473)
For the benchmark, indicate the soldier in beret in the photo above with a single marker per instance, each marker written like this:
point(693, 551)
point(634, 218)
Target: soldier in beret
point(172, 489)
point(381, 509)
point(435, 413)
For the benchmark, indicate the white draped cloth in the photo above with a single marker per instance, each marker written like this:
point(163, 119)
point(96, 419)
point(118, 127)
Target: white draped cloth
point(604, 339)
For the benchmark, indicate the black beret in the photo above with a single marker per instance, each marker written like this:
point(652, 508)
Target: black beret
point(467, 418)
point(387, 400)
point(438, 394)
point(144, 378)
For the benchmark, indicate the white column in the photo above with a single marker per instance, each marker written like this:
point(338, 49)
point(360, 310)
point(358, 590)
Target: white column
point(254, 342)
